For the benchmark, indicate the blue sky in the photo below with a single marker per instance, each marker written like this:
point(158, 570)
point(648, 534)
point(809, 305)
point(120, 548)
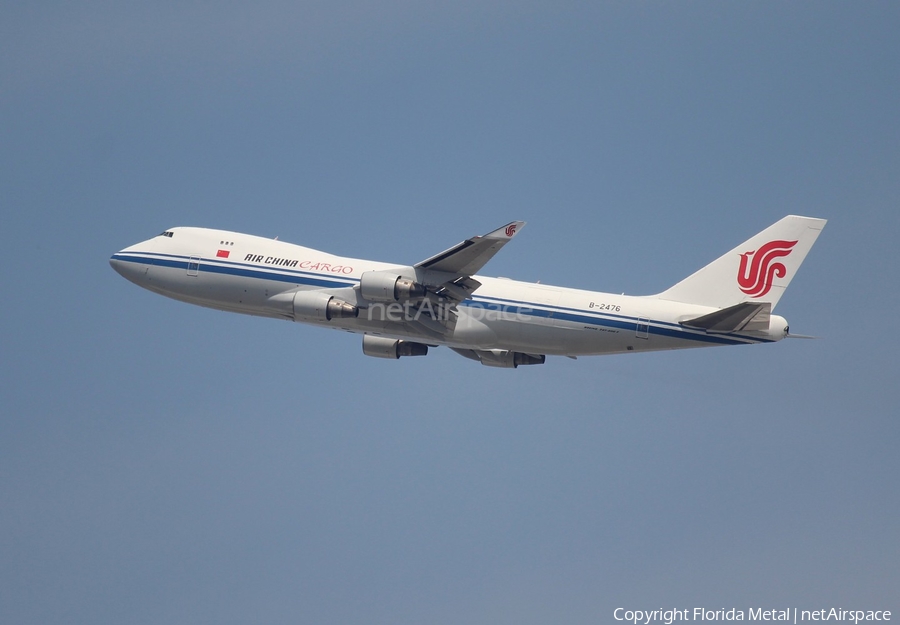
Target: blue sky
point(161, 463)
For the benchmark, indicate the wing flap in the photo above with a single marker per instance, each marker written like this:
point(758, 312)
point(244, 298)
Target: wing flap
point(459, 289)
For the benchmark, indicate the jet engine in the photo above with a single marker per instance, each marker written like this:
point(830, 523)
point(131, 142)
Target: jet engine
point(388, 286)
point(321, 306)
point(509, 360)
point(380, 347)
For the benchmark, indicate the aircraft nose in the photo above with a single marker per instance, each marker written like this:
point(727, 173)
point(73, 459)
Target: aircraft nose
point(118, 264)
point(127, 266)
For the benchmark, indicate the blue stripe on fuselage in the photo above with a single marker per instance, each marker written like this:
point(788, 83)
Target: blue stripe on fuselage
point(574, 315)
point(238, 269)
point(620, 323)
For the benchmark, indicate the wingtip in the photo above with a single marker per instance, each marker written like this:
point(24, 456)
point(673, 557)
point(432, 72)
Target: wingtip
point(508, 231)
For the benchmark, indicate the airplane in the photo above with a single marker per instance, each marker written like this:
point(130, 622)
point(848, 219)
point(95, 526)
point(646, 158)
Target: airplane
point(403, 310)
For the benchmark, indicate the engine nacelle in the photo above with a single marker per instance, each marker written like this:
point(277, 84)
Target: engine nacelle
point(321, 306)
point(380, 347)
point(388, 286)
point(509, 360)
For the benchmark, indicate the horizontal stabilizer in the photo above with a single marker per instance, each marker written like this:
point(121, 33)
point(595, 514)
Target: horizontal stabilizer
point(746, 316)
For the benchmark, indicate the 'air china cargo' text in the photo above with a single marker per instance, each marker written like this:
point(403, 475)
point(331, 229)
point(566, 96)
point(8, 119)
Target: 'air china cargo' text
point(298, 264)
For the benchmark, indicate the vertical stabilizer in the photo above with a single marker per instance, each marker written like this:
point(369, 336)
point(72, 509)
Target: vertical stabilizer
point(758, 270)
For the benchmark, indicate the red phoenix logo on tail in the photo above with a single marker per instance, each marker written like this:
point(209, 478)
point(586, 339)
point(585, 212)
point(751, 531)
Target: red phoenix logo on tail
point(756, 279)
point(510, 230)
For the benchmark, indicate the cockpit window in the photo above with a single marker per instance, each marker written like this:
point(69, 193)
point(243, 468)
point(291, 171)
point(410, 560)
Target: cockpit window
point(167, 233)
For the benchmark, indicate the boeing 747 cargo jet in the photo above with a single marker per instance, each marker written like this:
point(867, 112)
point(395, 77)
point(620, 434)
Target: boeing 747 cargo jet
point(402, 310)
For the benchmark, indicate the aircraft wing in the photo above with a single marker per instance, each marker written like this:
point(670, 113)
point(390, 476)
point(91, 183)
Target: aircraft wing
point(471, 255)
point(453, 269)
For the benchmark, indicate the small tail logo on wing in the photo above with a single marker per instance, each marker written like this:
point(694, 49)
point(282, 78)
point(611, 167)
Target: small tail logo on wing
point(510, 230)
point(756, 279)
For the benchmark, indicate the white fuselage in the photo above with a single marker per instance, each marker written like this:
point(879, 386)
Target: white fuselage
point(253, 275)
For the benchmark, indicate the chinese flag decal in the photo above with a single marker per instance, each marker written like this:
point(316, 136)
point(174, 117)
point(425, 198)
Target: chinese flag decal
point(223, 253)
